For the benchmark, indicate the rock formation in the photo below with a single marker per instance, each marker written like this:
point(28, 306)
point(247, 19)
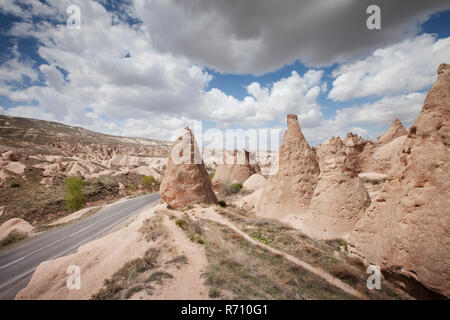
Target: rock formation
point(379, 156)
point(339, 198)
point(15, 225)
point(290, 189)
point(186, 180)
point(255, 182)
point(406, 229)
point(234, 169)
point(396, 130)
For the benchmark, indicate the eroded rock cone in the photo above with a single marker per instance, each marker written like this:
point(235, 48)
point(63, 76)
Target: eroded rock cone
point(396, 130)
point(234, 169)
point(405, 230)
point(186, 180)
point(340, 197)
point(290, 189)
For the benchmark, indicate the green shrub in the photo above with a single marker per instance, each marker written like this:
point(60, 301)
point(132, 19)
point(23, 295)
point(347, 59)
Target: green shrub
point(214, 292)
point(132, 186)
point(211, 175)
point(181, 223)
point(147, 182)
point(236, 187)
point(14, 185)
point(74, 193)
point(222, 203)
point(99, 184)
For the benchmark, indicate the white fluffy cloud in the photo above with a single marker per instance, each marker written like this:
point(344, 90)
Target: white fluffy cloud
point(404, 67)
point(118, 79)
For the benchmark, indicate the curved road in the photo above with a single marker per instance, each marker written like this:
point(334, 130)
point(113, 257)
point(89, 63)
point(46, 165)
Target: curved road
point(18, 262)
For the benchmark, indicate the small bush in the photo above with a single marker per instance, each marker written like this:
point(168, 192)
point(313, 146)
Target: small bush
point(214, 292)
point(181, 223)
point(211, 175)
point(74, 193)
point(99, 184)
point(236, 187)
point(14, 185)
point(132, 186)
point(147, 182)
point(222, 203)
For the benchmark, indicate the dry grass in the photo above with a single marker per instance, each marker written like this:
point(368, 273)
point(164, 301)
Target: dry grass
point(238, 269)
point(143, 273)
point(328, 255)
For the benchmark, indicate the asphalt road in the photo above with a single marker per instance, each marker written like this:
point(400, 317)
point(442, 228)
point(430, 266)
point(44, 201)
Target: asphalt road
point(18, 261)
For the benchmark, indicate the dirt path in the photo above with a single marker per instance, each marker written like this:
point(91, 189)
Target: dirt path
point(187, 282)
point(210, 214)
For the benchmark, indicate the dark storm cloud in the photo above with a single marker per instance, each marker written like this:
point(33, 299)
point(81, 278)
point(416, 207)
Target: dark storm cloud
point(248, 36)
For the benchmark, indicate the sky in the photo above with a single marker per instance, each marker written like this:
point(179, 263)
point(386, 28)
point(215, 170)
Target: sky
point(148, 68)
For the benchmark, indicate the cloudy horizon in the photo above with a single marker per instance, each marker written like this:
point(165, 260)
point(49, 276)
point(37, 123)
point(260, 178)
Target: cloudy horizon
point(149, 68)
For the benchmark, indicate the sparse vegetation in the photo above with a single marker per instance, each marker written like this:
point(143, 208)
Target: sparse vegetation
point(213, 292)
point(326, 255)
point(192, 228)
point(222, 203)
point(245, 271)
point(236, 187)
point(148, 182)
point(14, 185)
point(122, 278)
point(211, 175)
point(74, 193)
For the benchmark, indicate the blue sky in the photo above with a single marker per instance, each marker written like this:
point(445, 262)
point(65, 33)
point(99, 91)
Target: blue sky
point(149, 68)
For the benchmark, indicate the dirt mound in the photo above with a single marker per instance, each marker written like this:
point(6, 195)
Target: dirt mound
point(255, 182)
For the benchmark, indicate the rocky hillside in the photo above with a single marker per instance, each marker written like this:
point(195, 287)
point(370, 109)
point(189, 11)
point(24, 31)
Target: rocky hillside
point(36, 157)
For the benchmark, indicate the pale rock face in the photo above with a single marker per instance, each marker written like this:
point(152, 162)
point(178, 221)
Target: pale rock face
point(234, 169)
point(52, 170)
point(405, 230)
point(289, 191)
point(379, 156)
point(146, 171)
point(340, 197)
point(3, 176)
point(47, 181)
point(16, 168)
point(396, 130)
point(15, 225)
point(248, 202)
point(255, 182)
point(186, 180)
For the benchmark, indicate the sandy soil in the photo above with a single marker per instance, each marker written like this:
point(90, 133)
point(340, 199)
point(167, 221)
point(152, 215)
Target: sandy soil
point(187, 282)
